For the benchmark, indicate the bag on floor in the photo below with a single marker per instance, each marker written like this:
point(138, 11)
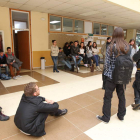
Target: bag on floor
point(123, 69)
point(5, 77)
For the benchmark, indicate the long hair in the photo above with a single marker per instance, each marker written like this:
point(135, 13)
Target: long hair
point(65, 45)
point(95, 46)
point(89, 45)
point(122, 46)
point(134, 46)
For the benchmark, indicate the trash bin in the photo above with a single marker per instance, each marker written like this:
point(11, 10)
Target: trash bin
point(43, 63)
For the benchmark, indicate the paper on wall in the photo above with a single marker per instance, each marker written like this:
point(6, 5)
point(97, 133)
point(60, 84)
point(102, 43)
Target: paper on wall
point(98, 42)
point(103, 42)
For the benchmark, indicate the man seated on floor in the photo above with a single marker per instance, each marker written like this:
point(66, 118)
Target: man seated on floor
point(12, 61)
point(3, 62)
point(62, 57)
point(2, 116)
point(75, 51)
point(32, 111)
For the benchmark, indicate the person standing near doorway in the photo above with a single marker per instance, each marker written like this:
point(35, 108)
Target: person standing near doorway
point(54, 55)
point(121, 47)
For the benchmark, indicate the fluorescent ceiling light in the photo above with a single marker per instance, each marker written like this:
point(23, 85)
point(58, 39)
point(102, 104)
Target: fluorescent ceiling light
point(130, 4)
point(53, 22)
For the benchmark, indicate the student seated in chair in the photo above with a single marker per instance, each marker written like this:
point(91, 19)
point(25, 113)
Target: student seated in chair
point(3, 62)
point(12, 61)
point(32, 111)
point(62, 58)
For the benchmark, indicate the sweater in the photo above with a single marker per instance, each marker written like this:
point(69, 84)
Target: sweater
point(89, 52)
point(95, 51)
point(54, 50)
point(3, 59)
point(61, 56)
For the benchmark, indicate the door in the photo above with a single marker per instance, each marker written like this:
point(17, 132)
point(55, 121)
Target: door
point(24, 48)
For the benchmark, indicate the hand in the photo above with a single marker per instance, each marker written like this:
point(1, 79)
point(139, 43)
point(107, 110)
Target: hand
point(1, 65)
point(11, 63)
point(49, 101)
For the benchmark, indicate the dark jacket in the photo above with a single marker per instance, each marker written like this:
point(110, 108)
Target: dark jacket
point(75, 50)
point(61, 56)
point(136, 58)
point(31, 113)
point(3, 59)
point(67, 51)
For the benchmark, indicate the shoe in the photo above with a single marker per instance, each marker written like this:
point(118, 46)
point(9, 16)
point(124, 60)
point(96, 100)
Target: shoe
point(57, 71)
point(78, 68)
point(98, 68)
point(18, 76)
point(85, 65)
point(121, 118)
point(136, 107)
point(64, 111)
point(100, 118)
point(3, 117)
point(132, 105)
point(15, 78)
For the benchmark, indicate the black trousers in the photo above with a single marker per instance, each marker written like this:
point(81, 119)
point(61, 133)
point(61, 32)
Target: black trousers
point(89, 60)
point(109, 88)
point(136, 86)
point(84, 58)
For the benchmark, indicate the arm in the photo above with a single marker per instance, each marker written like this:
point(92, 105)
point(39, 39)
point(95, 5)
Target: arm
point(136, 56)
point(107, 59)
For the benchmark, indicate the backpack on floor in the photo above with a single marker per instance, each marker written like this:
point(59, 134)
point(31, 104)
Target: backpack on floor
point(123, 69)
point(5, 77)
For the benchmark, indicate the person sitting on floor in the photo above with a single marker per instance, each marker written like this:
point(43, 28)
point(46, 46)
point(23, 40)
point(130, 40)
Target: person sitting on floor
point(75, 54)
point(96, 56)
point(2, 116)
point(32, 111)
point(12, 61)
point(83, 53)
point(3, 62)
point(62, 57)
point(67, 49)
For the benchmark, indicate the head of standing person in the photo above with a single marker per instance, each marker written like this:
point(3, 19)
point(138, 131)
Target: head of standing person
point(95, 45)
point(108, 40)
point(54, 42)
point(132, 43)
point(76, 44)
point(121, 45)
point(9, 50)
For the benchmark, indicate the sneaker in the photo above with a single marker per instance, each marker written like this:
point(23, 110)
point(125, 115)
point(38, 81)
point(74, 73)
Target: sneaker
point(18, 76)
point(78, 68)
point(74, 66)
point(85, 65)
point(64, 111)
point(3, 117)
point(100, 118)
point(15, 78)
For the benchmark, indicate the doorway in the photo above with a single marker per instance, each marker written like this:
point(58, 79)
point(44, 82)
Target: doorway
point(21, 45)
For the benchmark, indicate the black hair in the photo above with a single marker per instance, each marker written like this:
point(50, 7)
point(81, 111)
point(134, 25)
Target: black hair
point(8, 48)
point(60, 48)
point(108, 38)
point(96, 45)
point(71, 42)
point(53, 41)
point(75, 41)
point(1, 50)
point(66, 44)
point(81, 43)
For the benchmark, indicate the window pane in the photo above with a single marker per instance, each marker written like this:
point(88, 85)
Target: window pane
point(96, 28)
point(110, 30)
point(67, 25)
point(79, 26)
point(103, 29)
point(138, 37)
point(55, 23)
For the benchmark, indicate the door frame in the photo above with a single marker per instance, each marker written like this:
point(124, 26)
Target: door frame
point(30, 35)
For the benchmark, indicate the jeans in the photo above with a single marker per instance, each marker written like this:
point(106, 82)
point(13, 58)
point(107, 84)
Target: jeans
point(84, 58)
point(67, 63)
point(6, 69)
point(89, 60)
point(136, 86)
point(96, 59)
point(109, 88)
point(55, 59)
point(74, 59)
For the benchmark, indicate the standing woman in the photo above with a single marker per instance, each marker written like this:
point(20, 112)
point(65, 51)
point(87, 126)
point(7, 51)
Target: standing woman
point(119, 45)
point(54, 55)
point(95, 54)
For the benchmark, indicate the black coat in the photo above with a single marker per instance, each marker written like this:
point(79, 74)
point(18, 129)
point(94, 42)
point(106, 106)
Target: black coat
point(32, 113)
point(75, 50)
point(67, 51)
point(3, 59)
point(136, 58)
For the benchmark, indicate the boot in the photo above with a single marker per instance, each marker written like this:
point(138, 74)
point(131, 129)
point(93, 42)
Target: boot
point(92, 68)
point(2, 116)
point(136, 106)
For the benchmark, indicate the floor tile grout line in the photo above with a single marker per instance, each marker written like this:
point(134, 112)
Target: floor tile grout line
point(11, 136)
point(43, 138)
point(73, 124)
point(77, 136)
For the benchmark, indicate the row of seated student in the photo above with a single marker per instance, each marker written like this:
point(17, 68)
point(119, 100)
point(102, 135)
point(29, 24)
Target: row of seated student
point(76, 52)
point(8, 61)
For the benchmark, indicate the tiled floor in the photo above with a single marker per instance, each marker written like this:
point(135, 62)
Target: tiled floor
point(81, 95)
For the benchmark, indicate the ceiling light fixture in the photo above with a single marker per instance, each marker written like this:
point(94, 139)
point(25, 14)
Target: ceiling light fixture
point(53, 22)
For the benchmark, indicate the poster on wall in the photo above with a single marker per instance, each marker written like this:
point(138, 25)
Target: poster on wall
point(1, 40)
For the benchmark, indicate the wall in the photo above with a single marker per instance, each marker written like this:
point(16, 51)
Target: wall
point(131, 34)
point(39, 29)
point(5, 26)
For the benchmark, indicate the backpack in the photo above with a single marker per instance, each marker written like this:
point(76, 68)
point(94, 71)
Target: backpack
point(123, 69)
point(5, 77)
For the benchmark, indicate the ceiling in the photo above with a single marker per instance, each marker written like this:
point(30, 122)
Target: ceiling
point(93, 10)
